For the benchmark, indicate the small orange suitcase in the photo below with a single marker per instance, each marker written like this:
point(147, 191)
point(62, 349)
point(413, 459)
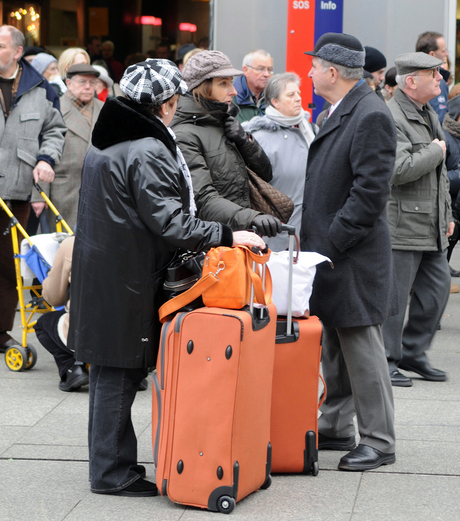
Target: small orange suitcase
point(211, 406)
point(296, 376)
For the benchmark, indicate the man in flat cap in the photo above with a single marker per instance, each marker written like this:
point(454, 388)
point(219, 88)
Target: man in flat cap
point(80, 110)
point(420, 220)
point(346, 190)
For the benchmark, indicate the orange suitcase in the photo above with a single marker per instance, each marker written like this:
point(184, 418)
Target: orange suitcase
point(296, 376)
point(211, 412)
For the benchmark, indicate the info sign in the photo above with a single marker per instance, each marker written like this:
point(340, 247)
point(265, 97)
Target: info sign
point(307, 21)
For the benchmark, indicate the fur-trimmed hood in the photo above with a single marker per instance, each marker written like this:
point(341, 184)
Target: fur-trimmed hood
point(124, 120)
point(261, 123)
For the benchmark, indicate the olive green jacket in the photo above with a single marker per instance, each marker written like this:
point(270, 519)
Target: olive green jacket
point(419, 208)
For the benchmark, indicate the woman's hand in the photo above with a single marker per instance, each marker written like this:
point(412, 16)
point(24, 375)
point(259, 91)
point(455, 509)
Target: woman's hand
point(249, 239)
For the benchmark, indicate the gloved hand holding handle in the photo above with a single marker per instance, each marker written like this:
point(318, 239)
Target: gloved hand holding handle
point(267, 225)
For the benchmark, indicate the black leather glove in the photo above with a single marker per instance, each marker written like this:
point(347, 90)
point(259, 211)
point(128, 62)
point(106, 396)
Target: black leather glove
point(267, 225)
point(235, 132)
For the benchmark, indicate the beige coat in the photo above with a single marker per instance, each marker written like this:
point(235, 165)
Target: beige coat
point(56, 284)
point(64, 190)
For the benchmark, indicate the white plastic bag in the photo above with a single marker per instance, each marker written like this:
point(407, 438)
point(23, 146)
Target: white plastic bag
point(302, 280)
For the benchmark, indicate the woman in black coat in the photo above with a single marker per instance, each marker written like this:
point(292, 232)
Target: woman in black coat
point(136, 210)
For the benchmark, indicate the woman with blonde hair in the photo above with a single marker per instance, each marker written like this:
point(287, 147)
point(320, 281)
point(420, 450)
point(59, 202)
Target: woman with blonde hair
point(72, 56)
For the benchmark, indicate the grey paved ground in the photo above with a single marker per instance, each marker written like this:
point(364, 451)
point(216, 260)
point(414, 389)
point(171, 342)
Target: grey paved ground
point(43, 456)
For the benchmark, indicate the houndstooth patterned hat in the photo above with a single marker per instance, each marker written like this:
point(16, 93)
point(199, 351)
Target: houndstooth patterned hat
point(152, 81)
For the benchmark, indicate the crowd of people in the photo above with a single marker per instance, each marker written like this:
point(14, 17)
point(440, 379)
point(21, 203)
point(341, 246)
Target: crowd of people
point(152, 157)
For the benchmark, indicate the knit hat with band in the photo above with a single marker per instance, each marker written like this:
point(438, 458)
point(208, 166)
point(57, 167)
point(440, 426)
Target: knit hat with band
point(206, 65)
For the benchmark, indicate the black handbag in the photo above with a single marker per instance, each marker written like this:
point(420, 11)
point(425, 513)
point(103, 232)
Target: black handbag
point(181, 274)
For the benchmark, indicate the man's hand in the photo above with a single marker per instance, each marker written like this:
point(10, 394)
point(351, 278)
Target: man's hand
point(451, 228)
point(38, 208)
point(43, 172)
point(442, 144)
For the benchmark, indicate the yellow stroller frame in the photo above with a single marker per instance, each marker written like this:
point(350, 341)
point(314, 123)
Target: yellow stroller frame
point(19, 358)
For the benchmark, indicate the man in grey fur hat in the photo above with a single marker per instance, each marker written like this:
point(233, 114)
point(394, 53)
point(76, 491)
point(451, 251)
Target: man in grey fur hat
point(420, 220)
point(346, 190)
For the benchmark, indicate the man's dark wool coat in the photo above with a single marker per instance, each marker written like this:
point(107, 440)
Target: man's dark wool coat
point(344, 215)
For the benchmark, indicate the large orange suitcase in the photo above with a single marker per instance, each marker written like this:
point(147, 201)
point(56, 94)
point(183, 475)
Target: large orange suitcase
point(296, 377)
point(211, 412)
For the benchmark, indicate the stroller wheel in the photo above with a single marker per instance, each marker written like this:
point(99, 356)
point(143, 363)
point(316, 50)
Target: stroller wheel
point(32, 356)
point(16, 358)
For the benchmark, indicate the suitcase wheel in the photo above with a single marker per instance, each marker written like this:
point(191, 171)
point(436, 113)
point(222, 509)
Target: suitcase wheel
point(267, 483)
point(225, 504)
point(315, 469)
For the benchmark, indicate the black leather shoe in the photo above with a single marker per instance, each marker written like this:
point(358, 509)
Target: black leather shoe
point(140, 488)
point(74, 379)
point(140, 469)
point(399, 380)
point(11, 342)
point(423, 369)
point(365, 458)
point(454, 273)
point(328, 443)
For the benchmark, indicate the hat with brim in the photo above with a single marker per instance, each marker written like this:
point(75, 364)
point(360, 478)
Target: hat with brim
point(206, 65)
point(341, 49)
point(153, 81)
point(104, 75)
point(415, 61)
point(81, 68)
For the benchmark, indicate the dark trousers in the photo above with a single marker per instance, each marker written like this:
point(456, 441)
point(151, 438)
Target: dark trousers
point(358, 383)
point(427, 274)
point(112, 441)
point(8, 291)
point(46, 330)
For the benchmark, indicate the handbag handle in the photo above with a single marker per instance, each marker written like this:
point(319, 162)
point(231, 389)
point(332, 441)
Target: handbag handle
point(176, 303)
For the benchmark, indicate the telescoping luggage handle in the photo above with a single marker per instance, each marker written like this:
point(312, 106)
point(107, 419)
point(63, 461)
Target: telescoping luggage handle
point(292, 237)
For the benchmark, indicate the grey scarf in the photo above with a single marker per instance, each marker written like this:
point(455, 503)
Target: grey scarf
point(302, 120)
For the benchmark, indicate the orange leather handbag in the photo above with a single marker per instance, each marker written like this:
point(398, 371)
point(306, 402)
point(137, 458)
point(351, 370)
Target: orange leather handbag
point(229, 275)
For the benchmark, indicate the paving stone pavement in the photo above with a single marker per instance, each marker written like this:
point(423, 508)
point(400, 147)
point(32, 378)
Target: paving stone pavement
point(44, 458)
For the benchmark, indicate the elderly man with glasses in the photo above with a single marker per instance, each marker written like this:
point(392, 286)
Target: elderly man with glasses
point(258, 69)
point(80, 110)
point(420, 220)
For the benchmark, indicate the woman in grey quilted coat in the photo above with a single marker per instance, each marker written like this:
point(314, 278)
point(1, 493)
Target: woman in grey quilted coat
point(285, 134)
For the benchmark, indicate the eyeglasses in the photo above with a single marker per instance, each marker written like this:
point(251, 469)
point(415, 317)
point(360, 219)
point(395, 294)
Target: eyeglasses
point(91, 83)
point(431, 72)
point(261, 70)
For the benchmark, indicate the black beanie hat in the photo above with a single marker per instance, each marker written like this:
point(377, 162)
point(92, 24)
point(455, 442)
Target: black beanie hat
point(375, 60)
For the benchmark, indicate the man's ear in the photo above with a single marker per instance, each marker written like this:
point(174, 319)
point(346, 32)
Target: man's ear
point(334, 74)
point(411, 83)
point(18, 52)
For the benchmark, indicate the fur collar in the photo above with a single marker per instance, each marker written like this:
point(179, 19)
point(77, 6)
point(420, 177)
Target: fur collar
point(123, 120)
point(261, 123)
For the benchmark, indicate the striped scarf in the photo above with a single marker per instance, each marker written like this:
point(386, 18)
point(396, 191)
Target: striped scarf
point(86, 109)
